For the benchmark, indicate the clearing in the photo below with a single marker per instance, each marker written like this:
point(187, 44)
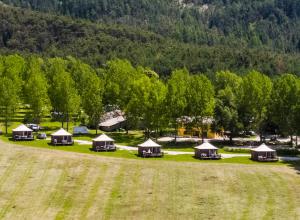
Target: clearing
point(38, 183)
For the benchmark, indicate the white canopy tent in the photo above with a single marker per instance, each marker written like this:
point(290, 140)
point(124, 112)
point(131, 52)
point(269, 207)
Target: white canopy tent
point(22, 128)
point(103, 138)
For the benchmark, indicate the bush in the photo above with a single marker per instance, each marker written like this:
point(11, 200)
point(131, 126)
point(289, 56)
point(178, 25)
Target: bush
point(237, 150)
point(287, 152)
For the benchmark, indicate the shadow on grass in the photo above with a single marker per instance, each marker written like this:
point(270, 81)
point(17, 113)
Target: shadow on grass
point(127, 139)
point(294, 165)
point(179, 145)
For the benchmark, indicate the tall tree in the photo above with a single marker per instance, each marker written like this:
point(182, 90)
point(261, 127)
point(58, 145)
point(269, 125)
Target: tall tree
point(285, 102)
point(64, 96)
point(254, 100)
point(12, 69)
point(146, 102)
point(226, 111)
point(201, 100)
point(118, 74)
point(176, 98)
point(92, 100)
point(9, 99)
point(36, 91)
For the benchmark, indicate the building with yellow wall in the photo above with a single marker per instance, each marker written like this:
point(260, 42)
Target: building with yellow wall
point(186, 130)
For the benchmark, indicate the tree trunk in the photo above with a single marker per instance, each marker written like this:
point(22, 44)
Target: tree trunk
point(6, 124)
point(260, 137)
point(230, 138)
point(202, 133)
point(67, 121)
point(6, 120)
point(292, 140)
point(176, 129)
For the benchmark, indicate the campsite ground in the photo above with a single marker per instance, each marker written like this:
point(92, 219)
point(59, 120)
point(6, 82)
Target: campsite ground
point(38, 183)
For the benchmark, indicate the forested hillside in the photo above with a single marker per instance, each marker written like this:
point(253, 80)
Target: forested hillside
point(270, 24)
point(50, 35)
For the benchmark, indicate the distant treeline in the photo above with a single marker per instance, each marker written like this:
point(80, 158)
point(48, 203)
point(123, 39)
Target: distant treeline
point(49, 35)
point(257, 23)
point(74, 90)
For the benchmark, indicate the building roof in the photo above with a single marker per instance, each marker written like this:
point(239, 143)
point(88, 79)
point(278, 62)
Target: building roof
point(61, 132)
point(263, 148)
point(103, 137)
point(206, 146)
point(112, 121)
point(22, 128)
point(149, 143)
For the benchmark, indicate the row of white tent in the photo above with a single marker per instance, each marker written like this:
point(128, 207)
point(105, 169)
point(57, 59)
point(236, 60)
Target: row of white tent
point(148, 143)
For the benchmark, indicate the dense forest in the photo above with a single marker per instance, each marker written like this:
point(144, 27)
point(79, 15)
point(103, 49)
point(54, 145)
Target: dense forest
point(75, 91)
point(272, 24)
point(49, 35)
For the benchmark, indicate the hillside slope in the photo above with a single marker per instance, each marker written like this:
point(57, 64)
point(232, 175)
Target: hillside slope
point(51, 35)
point(273, 24)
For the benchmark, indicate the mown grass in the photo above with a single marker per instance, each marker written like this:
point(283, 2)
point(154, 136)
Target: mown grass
point(86, 149)
point(43, 184)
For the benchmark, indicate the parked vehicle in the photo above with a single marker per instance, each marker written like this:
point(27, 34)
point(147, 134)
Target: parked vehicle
point(42, 136)
point(34, 127)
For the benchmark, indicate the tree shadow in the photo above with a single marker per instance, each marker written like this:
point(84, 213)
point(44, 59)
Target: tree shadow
point(294, 165)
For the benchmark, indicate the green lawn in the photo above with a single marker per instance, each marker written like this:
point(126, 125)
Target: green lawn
point(86, 149)
point(132, 139)
point(37, 183)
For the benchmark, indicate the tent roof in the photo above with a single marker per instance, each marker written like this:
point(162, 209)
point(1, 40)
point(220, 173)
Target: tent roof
point(103, 137)
point(112, 121)
point(206, 146)
point(149, 143)
point(61, 132)
point(22, 128)
point(263, 148)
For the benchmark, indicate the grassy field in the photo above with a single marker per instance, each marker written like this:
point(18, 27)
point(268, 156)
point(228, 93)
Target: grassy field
point(86, 149)
point(40, 183)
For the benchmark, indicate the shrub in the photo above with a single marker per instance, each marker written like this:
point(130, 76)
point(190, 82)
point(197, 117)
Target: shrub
point(237, 150)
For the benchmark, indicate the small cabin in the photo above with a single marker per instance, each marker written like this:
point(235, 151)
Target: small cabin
point(104, 143)
point(263, 153)
point(150, 149)
point(207, 151)
point(62, 137)
point(22, 133)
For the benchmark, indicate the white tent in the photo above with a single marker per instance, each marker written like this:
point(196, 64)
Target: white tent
point(263, 148)
point(103, 138)
point(149, 143)
point(61, 132)
point(80, 130)
point(206, 146)
point(22, 128)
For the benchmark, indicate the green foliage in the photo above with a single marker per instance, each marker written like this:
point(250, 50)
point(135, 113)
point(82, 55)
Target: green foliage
point(177, 93)
point(285, 102)
point(8, 99)
point(228, 86)
point(63, 94)
point(36, 90)
point(237, 150)
point(255, 98)
point(147, 101)
point(75, 88)
point(201, 102)
point(119, 74)
point(96, 43)
point(272, 24)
